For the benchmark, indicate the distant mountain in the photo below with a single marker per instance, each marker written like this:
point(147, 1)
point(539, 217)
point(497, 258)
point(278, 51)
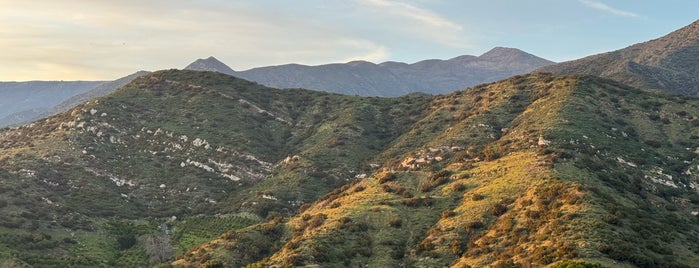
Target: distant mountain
point(669, 63)
point(99, 91)
point(388, 78)
point(24, 102)
point(210, 64)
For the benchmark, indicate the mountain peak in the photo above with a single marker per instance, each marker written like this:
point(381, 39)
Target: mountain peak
point(506, 54)
point(502, 50)
point(210, 64)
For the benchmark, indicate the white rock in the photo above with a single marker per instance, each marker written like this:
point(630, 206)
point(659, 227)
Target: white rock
point(270, 197)
point(162, 186)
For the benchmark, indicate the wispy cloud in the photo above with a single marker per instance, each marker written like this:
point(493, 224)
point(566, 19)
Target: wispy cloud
point(417, 21)
point(604, 7)
point(96, 40)
point(412, 12)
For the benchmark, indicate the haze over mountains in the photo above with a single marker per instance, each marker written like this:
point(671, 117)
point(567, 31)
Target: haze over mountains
point(24, 102)
point(389, 78)
point(190, 168)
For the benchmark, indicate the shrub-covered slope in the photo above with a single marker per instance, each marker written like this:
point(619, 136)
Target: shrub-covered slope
point(201, 169)
point(176, 158)
point(524, 172)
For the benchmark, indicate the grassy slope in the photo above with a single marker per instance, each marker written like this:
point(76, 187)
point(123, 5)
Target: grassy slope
point(600, 190)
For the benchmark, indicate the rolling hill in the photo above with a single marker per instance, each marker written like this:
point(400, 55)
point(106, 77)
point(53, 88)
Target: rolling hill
point(175, 158)
point(669, 63)
point(525, 172)
point(203, 169)
point(389, 78)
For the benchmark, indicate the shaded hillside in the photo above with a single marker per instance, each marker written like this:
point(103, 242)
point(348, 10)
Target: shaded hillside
point(99, 91)
point(23, 101)
point(669, 63)
point(176, 158)
point(524, 172)
point(388, 78)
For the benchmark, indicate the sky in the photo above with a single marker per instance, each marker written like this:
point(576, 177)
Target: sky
point(108, 39)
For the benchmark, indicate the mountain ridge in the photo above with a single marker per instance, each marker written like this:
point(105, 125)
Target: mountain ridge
point(388, 78)
point(667, 63)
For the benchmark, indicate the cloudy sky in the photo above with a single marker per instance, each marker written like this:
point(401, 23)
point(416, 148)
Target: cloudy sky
point(108, 39)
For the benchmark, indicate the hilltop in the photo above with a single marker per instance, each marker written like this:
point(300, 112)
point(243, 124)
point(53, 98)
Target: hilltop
point(669, 63)
point(389, 78)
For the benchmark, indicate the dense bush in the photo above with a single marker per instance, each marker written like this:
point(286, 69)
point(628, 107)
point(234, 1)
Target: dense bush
point(385, 177)
point(395, 222)
point(458, 187)
point(576, 264)
point(417, 201)
point(498, 209)
point(317, 220)
point(435, 180)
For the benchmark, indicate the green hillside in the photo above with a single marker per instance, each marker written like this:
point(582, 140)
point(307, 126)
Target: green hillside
point(524, 172)
point(198, 169)
point(169, 151)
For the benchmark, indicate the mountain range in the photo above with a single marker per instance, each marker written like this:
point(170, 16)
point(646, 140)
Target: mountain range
point(183, 168)
point(388, 79)
point(25, 102)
